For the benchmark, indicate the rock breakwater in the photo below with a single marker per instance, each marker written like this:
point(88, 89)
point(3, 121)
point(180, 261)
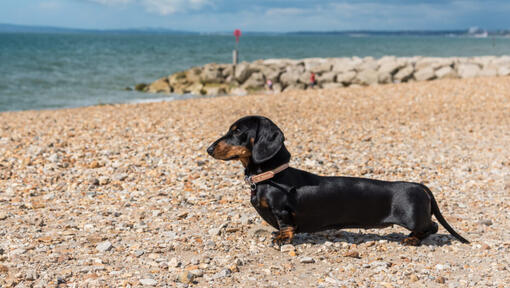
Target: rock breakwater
point(287, 74)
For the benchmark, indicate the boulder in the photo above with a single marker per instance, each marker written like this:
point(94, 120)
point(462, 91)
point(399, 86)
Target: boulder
point(243, 71)
point(446, 72)
point(160, 85)
point(141, 87)
point(327, 77)
point(384, 77)
point(272, 73)
point(193, 74)
point(196, 89)
point(345, 77)
point(366, 77)
point(178, 79)
point(368, 64)
point(404, 74)
point(342, 65)
point(468, 70)
point(321, 68)
point(390, 67)
point(504, 71)
point(227, 70)
point(277, 87)
point(432, 62)
point(256, 81)
point(425, 74)
point(290, 77)
point(211, 74)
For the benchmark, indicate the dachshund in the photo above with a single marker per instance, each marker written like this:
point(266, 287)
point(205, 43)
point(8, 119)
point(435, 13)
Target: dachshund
point(293, 200)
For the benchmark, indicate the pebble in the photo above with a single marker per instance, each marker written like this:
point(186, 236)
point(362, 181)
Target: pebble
point(186, 277)
point(148, 282)
point(306, 260)
point(104, 246)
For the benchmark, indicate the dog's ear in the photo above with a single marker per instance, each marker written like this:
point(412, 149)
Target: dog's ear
point(268, 141)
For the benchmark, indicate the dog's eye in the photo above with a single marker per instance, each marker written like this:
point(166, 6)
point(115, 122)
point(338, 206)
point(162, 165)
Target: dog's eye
point(237, 132)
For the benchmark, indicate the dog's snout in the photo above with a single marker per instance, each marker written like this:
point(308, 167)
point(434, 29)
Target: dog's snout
point(210, 150)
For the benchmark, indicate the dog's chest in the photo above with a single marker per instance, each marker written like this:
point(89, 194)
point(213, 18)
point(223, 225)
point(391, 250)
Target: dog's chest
point(261, 205)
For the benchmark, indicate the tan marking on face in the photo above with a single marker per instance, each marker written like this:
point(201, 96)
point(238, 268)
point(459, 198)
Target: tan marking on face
point(233, 128)
point(224, 151)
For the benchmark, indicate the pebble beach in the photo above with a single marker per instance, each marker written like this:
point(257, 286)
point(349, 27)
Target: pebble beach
point(125, 195)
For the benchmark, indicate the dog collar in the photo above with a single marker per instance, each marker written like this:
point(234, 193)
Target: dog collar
point(254, 179)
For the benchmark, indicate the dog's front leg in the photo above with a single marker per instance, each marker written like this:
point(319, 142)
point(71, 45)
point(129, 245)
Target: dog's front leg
point(286, 227)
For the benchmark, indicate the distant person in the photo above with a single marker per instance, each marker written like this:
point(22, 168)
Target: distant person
point(269, 84)
point(313, 81)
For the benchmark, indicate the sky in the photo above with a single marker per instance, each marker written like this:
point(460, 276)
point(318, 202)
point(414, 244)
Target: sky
point(259, 15)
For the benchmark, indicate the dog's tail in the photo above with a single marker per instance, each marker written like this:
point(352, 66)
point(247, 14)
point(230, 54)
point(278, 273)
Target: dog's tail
point(440, 218)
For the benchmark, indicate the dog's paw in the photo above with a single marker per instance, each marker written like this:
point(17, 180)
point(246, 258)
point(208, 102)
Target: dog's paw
point(284, 236)
point(411, 241)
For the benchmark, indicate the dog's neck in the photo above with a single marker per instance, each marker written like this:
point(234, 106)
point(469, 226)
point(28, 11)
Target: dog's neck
point(282, 157)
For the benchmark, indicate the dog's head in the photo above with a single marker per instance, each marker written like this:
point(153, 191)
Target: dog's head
point(251, 138)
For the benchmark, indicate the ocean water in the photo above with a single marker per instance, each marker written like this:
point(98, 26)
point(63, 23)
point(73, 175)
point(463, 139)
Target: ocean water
point(47, 71)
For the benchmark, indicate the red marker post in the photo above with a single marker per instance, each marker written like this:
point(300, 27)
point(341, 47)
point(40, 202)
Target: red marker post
point(235, 54)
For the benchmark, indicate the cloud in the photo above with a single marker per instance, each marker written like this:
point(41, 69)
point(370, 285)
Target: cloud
point(163, 7)
point(285, 11)
point(111, 2)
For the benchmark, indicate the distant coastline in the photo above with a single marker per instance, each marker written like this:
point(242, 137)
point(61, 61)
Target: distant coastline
point(473, 31)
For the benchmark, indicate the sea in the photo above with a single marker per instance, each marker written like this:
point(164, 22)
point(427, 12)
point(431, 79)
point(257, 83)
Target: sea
point(57, 70)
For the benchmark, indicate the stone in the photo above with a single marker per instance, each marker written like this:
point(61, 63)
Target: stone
point(148, 282)
point(186, 277)
point(366, 77)
point(104, 246)
point(290, 77)
point(343, 65)
point(446, 72)
point(321, 68)
point(192, 75)
point(390, 66)
point(243, 71)
point(352, 254)
point(211, 74)
point(196, 88)
point(504, 71)
point(141, 87)
point(467, 70)
point(160, 85)
point(287, 248)
point(256, 81)
point(306, 260)
point(345, 77)
point(404, 74)
point(425, 74)
point(328, 77)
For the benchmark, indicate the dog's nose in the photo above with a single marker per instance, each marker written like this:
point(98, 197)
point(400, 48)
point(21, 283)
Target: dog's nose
point(210, 150)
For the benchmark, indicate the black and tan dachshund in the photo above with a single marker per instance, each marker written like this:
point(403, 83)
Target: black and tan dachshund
point(293, 201)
